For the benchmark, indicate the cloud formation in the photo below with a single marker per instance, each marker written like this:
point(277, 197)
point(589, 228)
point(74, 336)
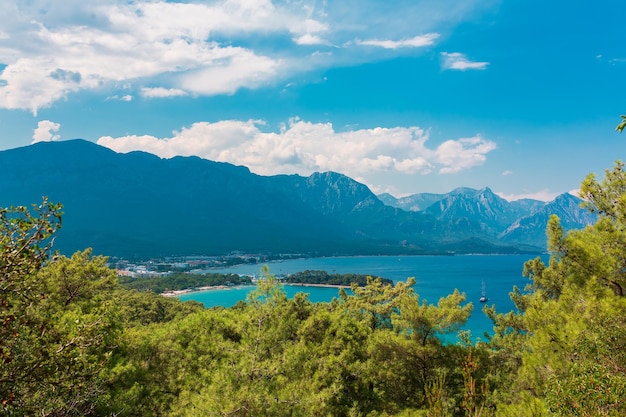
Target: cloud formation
point(415, 42)
point(458, 61)
point(542, 195)
point(164, 49)
point(160, 92)
point(302, 147)
point(43, 132)
point(137, 41)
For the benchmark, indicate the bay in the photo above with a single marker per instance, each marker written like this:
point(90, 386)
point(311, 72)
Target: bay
point(435, 276)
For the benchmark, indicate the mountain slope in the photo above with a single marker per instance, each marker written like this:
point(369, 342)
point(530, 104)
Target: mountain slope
point(483, 208)
point(140, 205)
point(414, 202)
point(137, 204)
point(532, 229)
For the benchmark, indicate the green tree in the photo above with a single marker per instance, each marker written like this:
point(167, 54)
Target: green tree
point(57, 334)
point(377, 301)
point(25, 240)
point(570, 304)
point(596, 382)
point(409, 363)
point(251, 373)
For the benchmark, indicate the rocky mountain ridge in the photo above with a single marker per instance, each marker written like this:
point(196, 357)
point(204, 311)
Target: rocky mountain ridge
point(140, 205)
point(521, 221)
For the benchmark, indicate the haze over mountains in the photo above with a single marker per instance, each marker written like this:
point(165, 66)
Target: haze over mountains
point(139, 205)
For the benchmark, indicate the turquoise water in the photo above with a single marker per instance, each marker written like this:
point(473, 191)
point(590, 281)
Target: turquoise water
point(230, 296)
point(436, 276)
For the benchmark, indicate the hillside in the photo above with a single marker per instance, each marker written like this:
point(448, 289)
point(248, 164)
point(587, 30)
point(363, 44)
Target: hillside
point(140, 205)
point(519, 222)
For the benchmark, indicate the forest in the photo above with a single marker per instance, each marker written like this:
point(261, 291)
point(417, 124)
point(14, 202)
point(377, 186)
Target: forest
point(324, 278)
point(182, 281)
point(74, 342)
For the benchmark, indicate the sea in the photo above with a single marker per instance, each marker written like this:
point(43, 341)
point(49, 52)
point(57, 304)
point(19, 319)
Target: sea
point(435, 277)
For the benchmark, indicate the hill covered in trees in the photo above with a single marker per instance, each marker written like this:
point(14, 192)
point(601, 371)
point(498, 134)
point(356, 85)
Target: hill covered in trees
point(74, 343)
point(138, 205)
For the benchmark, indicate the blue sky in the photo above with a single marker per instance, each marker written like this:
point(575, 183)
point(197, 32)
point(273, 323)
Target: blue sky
point(404, 96)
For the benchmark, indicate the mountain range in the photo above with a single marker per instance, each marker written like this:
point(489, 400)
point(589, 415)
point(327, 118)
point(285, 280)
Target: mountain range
point(137, 205)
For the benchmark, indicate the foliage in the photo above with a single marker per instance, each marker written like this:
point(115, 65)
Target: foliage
point(620, 127)
point(596, 383)
point(56, 334)
point(323, 277)
point(557, 347)
point(182, 281)
point(74, 342)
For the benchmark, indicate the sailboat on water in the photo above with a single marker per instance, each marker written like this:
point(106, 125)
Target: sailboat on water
point(483, 297)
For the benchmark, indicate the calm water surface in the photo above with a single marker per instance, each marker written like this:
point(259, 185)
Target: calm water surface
point(435, 276)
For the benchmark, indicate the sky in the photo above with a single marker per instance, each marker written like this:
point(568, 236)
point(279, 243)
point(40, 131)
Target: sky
point(522, 96)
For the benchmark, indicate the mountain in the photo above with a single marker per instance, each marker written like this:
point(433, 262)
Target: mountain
point(422, 201)
point(140, 205)
point(483, 208)
point(470, 212)
point(414, 202)
point(137, 205)
point(531, 229)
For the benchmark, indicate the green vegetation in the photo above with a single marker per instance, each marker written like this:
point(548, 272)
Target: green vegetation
point(620, 127)
point(323, 277)
point(182, 281)
point(74, 342)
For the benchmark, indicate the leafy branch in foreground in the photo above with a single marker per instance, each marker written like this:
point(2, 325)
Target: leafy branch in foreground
point(56, 330)
point(620, 127)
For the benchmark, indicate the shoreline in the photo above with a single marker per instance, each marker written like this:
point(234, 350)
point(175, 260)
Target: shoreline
point(302, 284)
point(176, 293)
point(198, 289)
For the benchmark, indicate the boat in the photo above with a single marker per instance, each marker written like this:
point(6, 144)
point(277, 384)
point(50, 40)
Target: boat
point(483, 297)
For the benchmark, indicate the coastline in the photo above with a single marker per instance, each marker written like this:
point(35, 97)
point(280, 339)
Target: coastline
point(176, 293)
point(302, 284)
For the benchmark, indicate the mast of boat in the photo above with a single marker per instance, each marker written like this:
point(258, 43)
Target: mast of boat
point(483, 297)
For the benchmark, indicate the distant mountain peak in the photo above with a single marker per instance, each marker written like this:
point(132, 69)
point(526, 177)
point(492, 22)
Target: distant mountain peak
point(138, 204)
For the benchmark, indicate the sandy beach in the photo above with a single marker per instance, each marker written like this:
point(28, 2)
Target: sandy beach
point(224, 287)
point(190, 290)
point(297, 284)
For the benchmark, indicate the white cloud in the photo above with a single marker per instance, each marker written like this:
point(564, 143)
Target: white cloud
point(303, 147)
point(415, 42)
point(43, 132)
point(507, 172)
point(203, 48)
point(542, 195)
point(458, 61)
point(309, 39)
point(461, 154)
point(234, 71)
point(159, 92)
point(126, 97)
point(143, 40)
